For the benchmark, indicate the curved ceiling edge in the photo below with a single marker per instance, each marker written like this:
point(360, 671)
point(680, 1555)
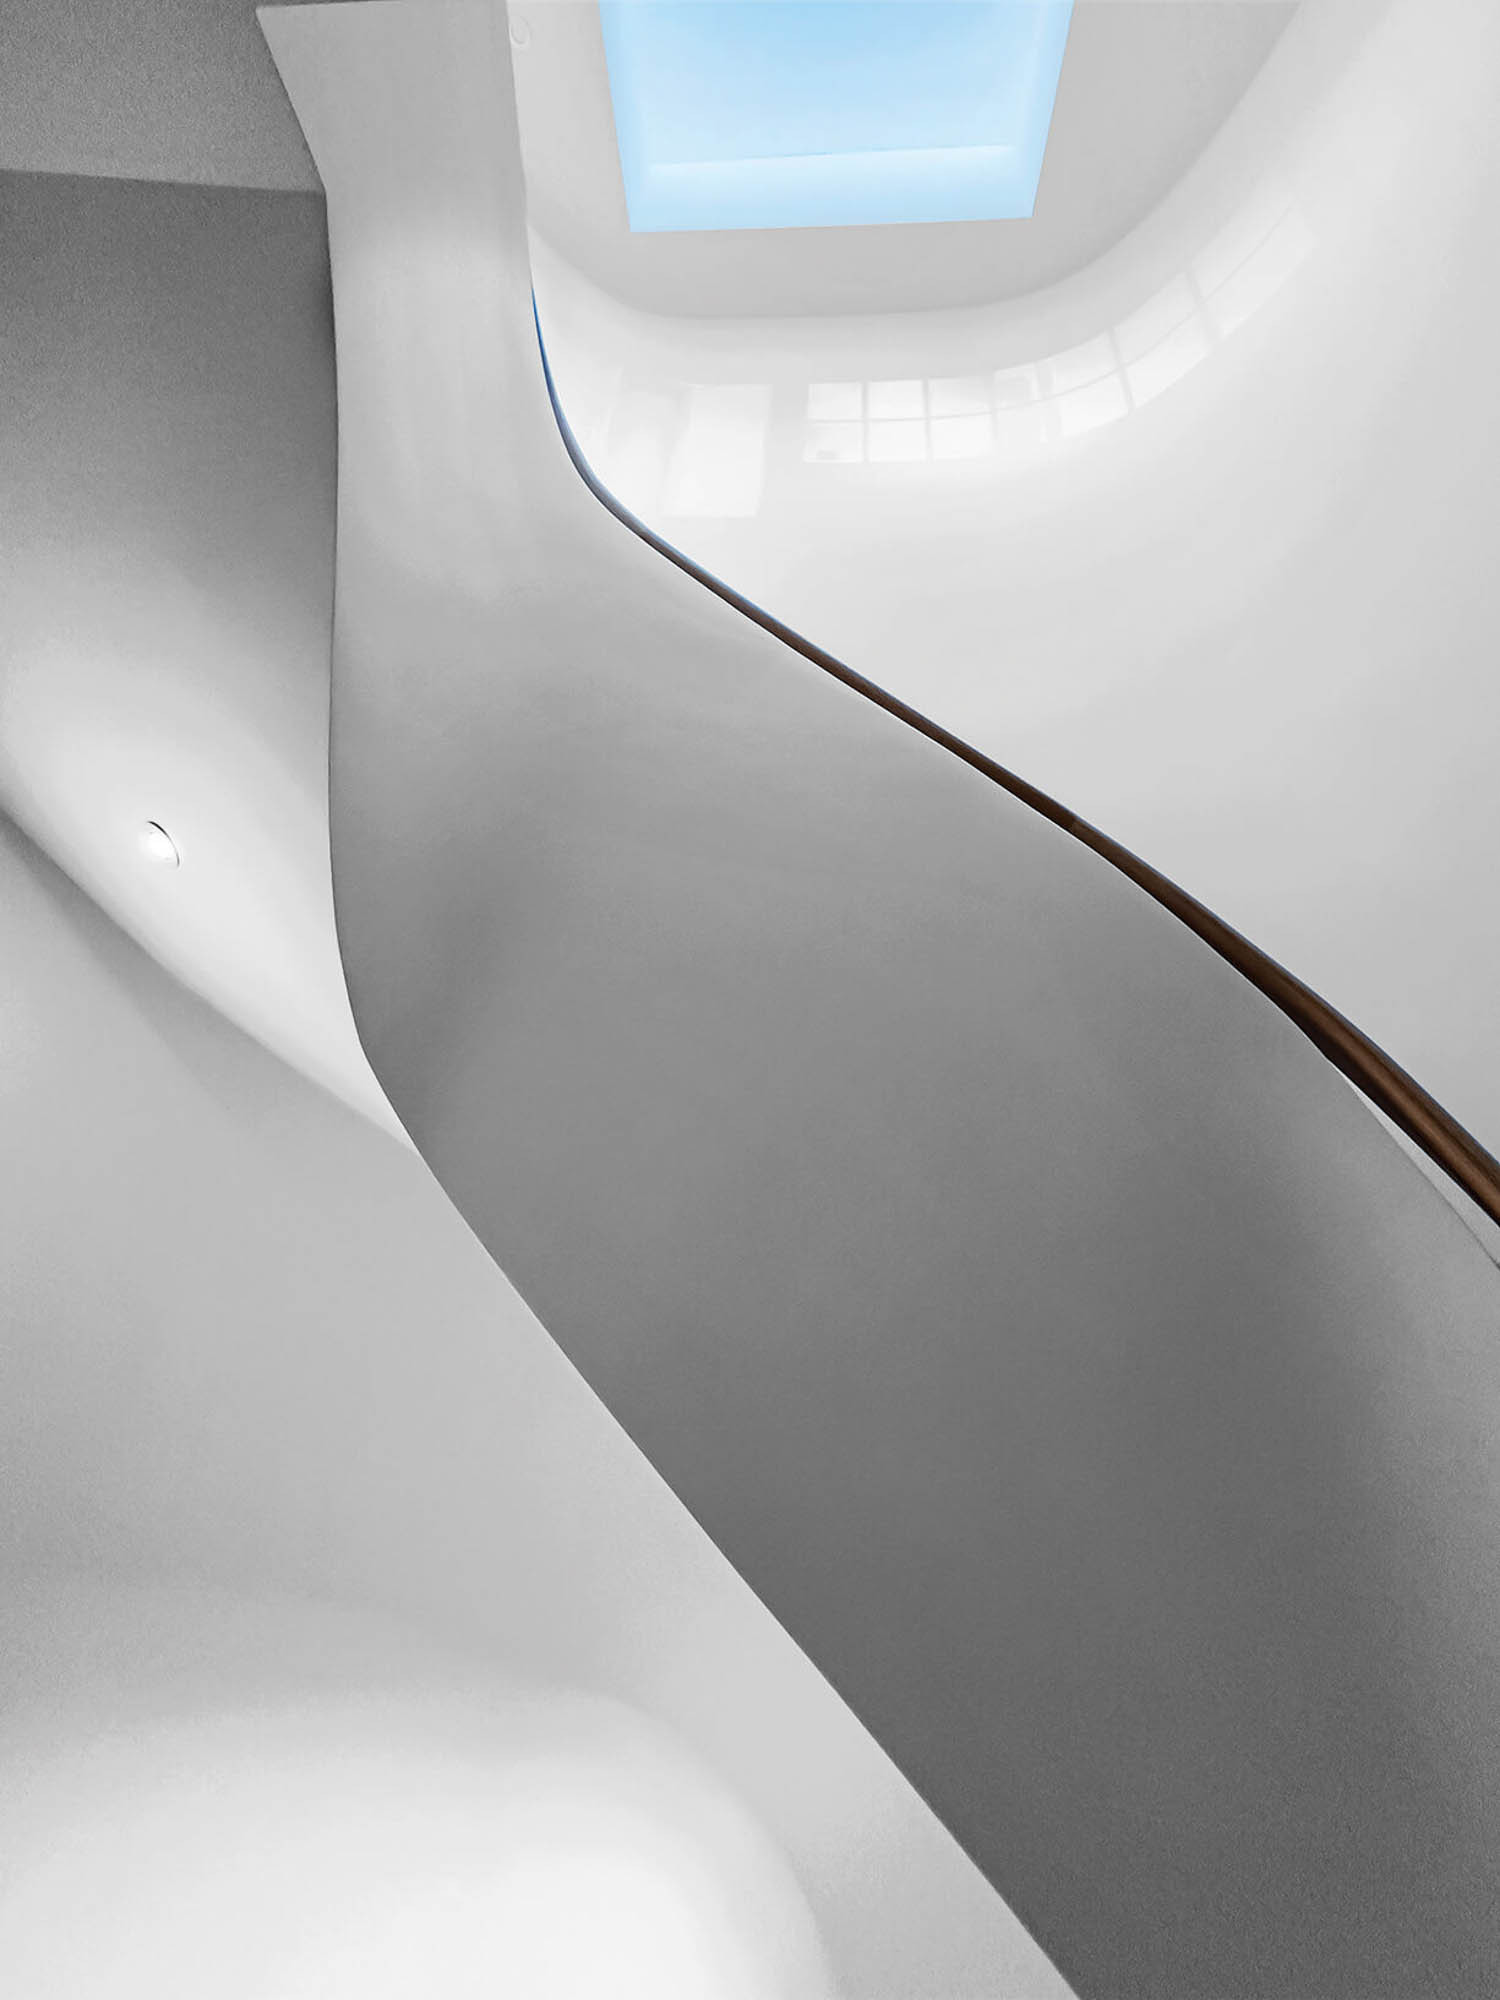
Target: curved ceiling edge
point(1145, 89)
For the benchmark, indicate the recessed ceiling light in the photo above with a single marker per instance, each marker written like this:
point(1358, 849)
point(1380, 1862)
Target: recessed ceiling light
point(159, 844)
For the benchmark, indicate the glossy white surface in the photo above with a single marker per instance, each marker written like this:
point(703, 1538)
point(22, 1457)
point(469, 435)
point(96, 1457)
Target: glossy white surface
point(1199, 541)
point(1025, 1308)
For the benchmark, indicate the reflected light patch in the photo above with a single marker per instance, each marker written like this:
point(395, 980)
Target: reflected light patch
point(1020, 412)
point(782, 114)
point(346, 1846)
point(674, 451)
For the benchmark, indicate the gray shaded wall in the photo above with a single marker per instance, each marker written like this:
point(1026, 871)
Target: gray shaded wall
point(170, 90)
point(247, 1346)
point(1037, 1323)
point(244, 1340)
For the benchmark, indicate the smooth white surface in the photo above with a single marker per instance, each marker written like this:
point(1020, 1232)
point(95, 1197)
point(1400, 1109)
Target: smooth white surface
point(167, 462)
point(247, 1345)
point(272, 1800)
point(1023, 1305)
point(1201, 541)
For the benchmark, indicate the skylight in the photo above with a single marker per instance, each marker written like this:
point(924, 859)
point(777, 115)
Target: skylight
point(786, 114)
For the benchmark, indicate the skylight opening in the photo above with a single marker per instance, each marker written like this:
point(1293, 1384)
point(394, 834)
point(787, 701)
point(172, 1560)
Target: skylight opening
point(788, 114)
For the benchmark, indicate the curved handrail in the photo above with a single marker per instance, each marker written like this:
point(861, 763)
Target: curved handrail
point(1366, 1065)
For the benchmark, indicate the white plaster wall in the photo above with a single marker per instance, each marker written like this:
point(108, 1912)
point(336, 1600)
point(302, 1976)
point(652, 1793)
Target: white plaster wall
point(1217, 573)
point(247, 1347)
point(1024, 1306)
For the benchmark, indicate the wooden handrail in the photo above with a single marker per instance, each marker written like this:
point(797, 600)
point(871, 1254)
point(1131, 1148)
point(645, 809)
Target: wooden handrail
point(1389, 1087)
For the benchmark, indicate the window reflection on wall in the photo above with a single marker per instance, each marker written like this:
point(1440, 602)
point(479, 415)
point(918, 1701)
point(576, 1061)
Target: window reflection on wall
point(1018, 411)
point(673, 450)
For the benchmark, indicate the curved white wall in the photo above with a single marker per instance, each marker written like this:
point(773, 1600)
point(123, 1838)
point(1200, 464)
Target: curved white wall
point(167, 461)
point(271, 1800)
point(248, 1348)
point(1211, 560)
point(1023, 1305)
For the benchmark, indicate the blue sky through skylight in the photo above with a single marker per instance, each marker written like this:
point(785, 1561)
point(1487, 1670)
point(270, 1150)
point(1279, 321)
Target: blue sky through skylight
point(784, 114)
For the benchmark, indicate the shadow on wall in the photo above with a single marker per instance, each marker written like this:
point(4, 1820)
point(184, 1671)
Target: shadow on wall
point(261, 1797)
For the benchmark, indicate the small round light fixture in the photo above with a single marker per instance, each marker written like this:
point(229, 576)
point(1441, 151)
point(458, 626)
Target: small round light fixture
point(159, 844)
point(520, 30)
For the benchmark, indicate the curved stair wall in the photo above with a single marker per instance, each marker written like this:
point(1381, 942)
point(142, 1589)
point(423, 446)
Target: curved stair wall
point(1022, 1303)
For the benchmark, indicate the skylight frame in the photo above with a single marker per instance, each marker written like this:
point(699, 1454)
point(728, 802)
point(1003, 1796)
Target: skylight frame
point(649, 43)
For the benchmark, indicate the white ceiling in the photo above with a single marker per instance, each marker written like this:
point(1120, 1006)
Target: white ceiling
point(1145, 85)
point(618, 879)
